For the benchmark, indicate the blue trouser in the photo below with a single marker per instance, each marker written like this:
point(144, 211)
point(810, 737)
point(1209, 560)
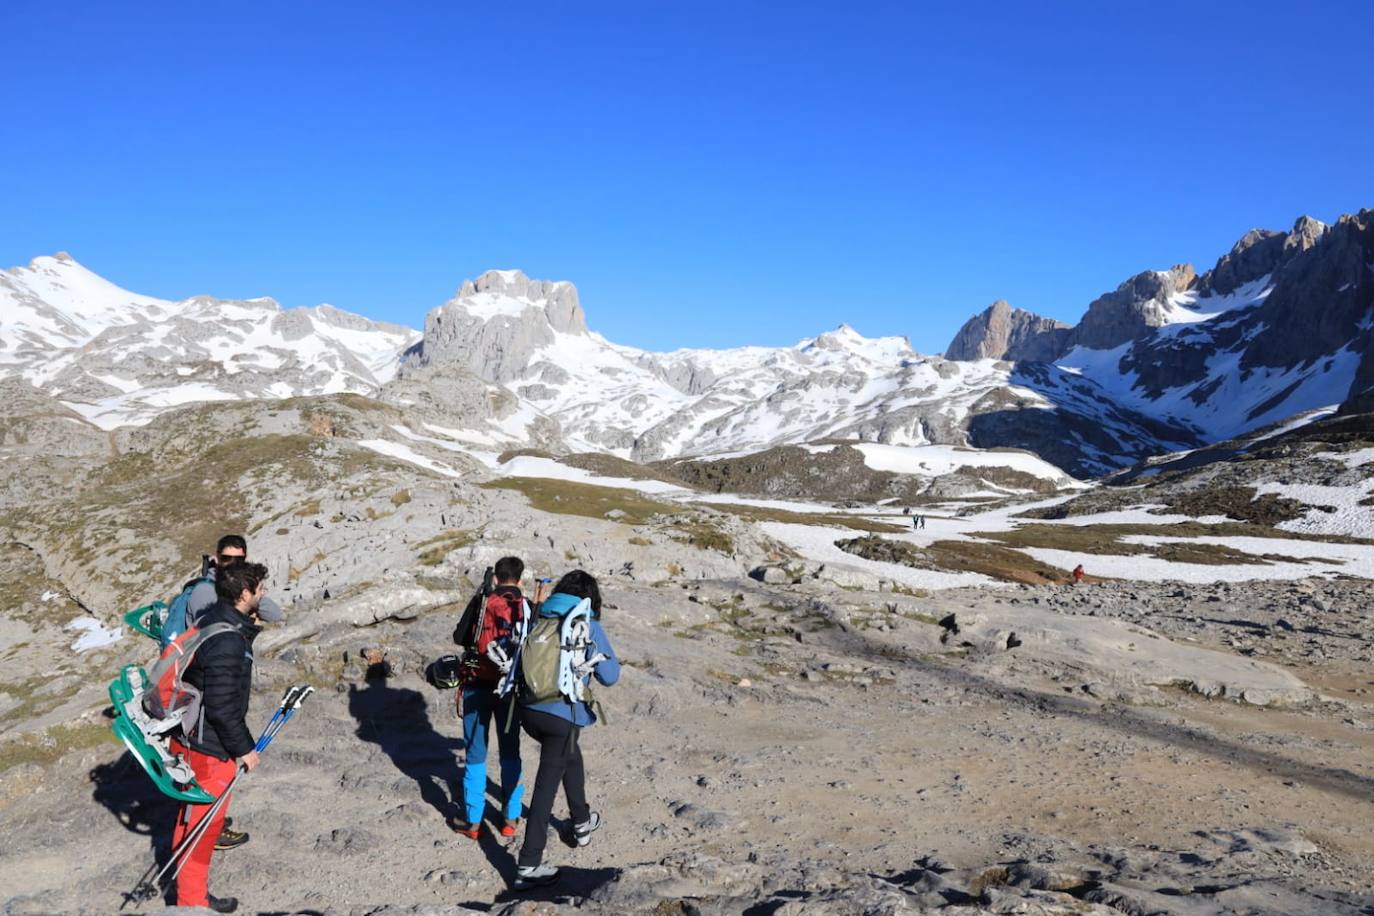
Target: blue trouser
point(479, 705)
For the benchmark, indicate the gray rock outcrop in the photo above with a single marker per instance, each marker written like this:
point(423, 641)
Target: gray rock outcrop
point(498, 344)
point(1002, 332)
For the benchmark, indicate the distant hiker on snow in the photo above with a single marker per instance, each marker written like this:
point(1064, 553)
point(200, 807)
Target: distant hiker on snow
point(1078, 574)
point(563, 650)
point(488, 632)
point(220, 742)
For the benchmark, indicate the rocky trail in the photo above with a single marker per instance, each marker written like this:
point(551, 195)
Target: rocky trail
point(779, 749)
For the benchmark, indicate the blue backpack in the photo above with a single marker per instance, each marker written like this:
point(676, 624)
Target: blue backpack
point(174, 624)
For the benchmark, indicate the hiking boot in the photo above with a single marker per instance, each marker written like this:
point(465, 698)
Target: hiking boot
point(510, 828)
point(471, 831)
point(222, 904)
point(230, 838)
point(582, 832)
point(528, 876)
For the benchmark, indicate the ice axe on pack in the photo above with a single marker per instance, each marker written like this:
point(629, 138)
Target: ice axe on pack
point(147, 886)
point(472, 659)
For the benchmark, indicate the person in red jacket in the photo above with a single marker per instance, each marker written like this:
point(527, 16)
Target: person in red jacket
point(1078, 574)
point(220, 742)
point(490, 619)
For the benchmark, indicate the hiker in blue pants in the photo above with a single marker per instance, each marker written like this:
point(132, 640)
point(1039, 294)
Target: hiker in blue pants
point(490, 618)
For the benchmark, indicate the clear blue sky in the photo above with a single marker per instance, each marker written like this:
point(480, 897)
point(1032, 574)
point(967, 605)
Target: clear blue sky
point(708, 174)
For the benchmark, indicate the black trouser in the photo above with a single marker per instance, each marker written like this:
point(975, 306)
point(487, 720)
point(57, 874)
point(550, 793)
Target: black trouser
point(560, 760)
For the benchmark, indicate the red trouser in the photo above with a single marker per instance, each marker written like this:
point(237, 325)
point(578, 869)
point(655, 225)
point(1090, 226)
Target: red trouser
point(214, 776)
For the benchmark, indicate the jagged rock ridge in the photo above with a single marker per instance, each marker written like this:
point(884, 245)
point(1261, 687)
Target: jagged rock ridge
point(1282, 324)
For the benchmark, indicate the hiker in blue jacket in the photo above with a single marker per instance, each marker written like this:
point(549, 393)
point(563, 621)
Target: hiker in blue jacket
point(557, 725)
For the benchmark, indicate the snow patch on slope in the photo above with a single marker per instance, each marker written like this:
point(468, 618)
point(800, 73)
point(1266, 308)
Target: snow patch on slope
point(938, 460)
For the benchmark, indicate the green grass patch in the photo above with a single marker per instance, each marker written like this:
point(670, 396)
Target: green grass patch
point(991, 560)
point(400, 498)
point(824, 519)
point(435, 550)
point(1109, 539)
point(54, 744)
point(33, 701)
point(700, 533)
point(566, 497)
point(294, 573)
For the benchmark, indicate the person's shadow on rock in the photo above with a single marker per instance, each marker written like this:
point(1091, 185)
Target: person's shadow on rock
point(140, 807)
point(125, 791)
point(396, 719)
point(573, 884)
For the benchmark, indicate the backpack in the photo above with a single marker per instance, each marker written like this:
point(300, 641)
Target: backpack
point(152, 708)
point(174, 623)
point(556, 658)
point(501, 620)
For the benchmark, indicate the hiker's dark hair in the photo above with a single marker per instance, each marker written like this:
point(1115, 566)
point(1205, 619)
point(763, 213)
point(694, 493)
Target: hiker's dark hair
point(231, 540)
point(509, 569)
point(233, 581)
point(581, 584)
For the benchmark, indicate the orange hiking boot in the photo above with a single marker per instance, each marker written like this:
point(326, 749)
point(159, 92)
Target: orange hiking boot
point(510, 828)
point(471, 831)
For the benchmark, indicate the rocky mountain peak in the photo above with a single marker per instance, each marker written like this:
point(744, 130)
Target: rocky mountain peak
point(511, 292)
point(497, 322)
point(1306, 233)
point(1322, 300)
point(1133, 309)
point(1002, 332)
point(1257, 253)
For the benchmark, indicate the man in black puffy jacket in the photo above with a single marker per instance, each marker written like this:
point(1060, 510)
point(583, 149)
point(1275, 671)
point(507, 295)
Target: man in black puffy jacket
point(220, 742)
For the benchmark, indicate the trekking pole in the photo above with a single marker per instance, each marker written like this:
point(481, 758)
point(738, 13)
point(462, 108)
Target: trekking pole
point(290, 702)
point(146, 889)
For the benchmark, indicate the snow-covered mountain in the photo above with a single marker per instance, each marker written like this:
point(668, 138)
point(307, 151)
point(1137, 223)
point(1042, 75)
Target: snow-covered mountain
point(119, 358)
point(1166, 362)
point(531, 337)
point(1284, 323)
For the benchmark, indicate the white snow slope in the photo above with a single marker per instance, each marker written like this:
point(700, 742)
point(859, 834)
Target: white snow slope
point(119, 358)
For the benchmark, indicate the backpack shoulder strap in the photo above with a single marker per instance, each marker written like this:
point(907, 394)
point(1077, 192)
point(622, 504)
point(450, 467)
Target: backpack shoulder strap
point(207, 634)
point(192, 583)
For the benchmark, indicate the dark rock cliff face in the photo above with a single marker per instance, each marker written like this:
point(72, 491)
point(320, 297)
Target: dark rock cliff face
point(1321, 302)
point(1255, 255)
point(1087, 433)
point(1133, 309)
point(1308, 296)
point(1002, 332)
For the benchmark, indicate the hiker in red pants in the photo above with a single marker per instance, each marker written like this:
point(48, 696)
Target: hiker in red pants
point(219, 742)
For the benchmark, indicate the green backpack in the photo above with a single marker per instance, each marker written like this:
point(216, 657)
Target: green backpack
point(553, 657)
point(540, 662)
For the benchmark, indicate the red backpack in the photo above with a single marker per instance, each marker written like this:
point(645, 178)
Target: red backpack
point(499, 620)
